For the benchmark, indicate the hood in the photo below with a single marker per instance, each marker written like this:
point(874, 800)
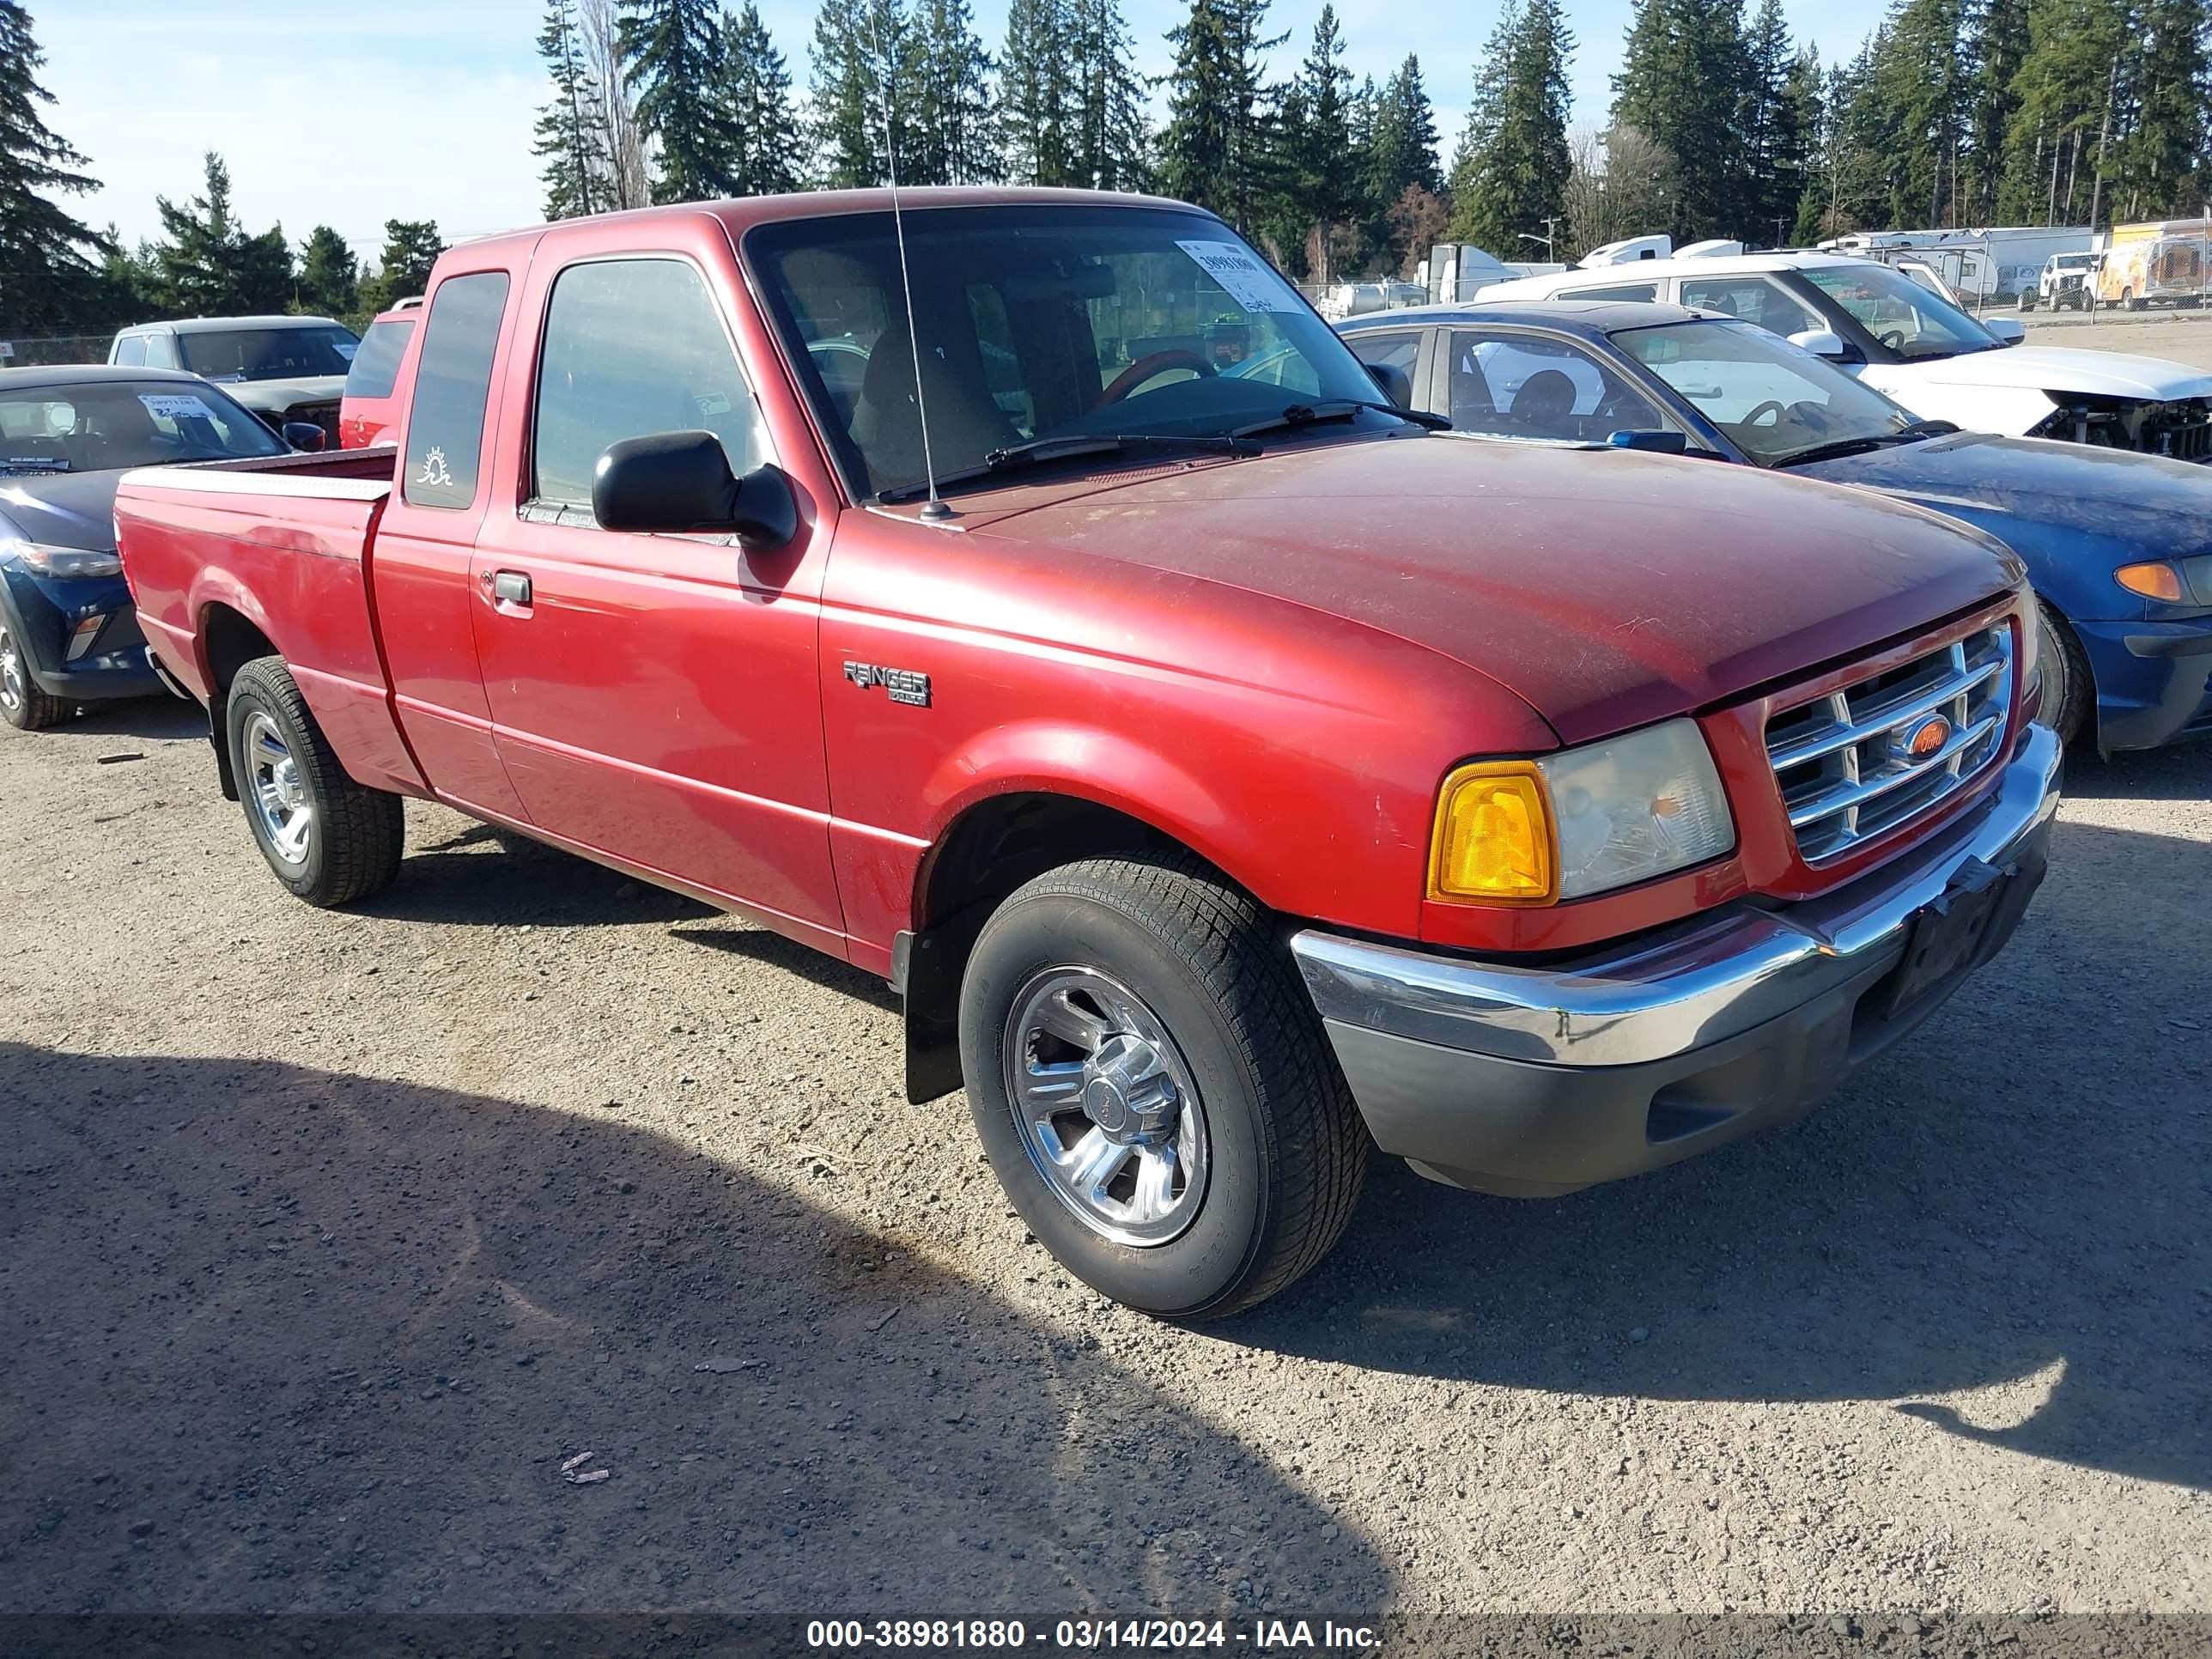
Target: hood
point(1604, 588)
point(276, 396)
point(2057, 368)
point(2107, 494)
point(67, 509)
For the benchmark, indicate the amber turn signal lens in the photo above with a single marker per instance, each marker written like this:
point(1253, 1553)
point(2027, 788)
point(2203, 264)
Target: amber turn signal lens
point(2154, 580)
point(1493, 837)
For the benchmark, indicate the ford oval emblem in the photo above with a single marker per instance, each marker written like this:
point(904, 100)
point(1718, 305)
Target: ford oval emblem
point(1926, 739)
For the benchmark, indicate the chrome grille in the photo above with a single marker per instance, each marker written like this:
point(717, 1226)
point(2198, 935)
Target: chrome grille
point(1844, 762)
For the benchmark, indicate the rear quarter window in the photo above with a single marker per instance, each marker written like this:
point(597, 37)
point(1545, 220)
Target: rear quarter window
point(375, 368)
point(452, 379)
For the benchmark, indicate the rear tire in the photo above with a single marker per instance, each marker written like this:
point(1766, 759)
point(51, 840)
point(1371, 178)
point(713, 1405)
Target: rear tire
point(2070, 690)
point(330, 839)
point(1232, 1091)
point(22, 704)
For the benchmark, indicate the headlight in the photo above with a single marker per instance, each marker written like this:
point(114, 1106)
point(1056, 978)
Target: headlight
point(60, 562)
point(1601, 816)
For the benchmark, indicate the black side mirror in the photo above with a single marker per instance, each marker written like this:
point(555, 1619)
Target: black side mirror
point(1659, 443)
point(1397, 385)
point(304, 435)
point(675, 482)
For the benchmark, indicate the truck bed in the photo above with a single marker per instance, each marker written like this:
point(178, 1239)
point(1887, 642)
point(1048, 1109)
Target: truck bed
point(219, 553)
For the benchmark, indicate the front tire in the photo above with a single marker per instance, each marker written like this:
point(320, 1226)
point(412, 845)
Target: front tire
point(330, 839)
point(2069, 691)
point(1153, 1088)
point(22, 704)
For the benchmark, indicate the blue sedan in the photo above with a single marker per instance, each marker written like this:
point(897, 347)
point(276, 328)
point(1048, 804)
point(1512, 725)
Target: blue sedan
point(2118, 544)
point(69, 636)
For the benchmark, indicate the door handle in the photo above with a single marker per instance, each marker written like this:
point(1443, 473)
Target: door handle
point(508, 586)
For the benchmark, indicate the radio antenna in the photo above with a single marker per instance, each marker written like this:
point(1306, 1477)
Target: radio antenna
point(934, 509)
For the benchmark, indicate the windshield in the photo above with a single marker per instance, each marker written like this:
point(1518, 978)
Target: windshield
point(1038, 323)
point(376, 365)
point(2074, 261)
point(268, 354)
point(98, 427)
point(1772, 400)
point(1912, 320)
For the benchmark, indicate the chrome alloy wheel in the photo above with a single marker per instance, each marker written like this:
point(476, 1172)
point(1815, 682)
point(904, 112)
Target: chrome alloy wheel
point(1106, 1106)
point(11, 673)
point(280, 794)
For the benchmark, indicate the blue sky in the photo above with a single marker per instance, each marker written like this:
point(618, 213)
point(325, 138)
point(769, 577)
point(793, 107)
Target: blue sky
point(351, 114)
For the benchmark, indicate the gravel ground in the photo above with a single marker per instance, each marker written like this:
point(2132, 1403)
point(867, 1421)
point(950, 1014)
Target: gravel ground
point(2184, 336)
point(326, 1240)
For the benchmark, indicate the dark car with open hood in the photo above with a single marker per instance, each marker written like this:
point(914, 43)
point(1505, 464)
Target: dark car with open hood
point(68, 633)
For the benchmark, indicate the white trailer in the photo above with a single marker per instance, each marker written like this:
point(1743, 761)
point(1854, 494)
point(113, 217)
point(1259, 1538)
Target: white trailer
point(2002, 263)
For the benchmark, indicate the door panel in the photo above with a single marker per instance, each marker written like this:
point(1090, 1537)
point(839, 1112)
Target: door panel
point(425, 545)
point(655, 697)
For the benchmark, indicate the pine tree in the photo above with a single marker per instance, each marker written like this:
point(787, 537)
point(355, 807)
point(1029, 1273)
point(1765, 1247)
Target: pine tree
point(412, 247)
point(949, 91)
point(1778, 98)
point(2162, 159)
point(210, 266)
point(1112, 139)
point(570, 130)
point(1402, 147)
point(1219, 147)
point(1037, 94)
point(1997, 44)
point(2065, 87)
point(862, 48)
point(1509, 179)
point(47, 275)
point(329, 283)
point(766, 147)
point(1682, 81)
point(671, 52)
point(1921, 86)
point(1323, 155)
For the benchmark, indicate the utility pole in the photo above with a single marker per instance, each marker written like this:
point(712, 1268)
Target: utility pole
point(1551, 224)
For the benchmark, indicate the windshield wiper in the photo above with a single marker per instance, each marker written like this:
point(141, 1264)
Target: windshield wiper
point(1842, 446)
point(1338, 409)
point(1039, 451)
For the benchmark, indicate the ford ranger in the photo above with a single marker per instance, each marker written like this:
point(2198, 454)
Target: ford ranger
point(1024, 597)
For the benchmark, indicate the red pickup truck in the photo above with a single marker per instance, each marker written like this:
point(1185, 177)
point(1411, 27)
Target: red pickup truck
point(1230, 773)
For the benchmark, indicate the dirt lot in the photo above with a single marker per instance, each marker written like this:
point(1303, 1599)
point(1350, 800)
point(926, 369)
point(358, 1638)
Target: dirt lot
point(327, 1239)
point(2184, 336)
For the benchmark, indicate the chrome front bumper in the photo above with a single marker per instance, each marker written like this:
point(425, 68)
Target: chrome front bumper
point(1540, 1080)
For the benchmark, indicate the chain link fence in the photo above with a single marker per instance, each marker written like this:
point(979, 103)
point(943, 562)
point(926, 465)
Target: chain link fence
point(21, 353)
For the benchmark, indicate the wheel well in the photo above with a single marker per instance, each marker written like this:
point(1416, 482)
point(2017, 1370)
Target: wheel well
point(230, 641)
point(990, 850)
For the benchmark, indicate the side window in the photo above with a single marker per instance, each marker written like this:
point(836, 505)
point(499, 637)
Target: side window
point(1641, 293)
point(1525, 387)
point(161, 351)
point(1394, 347)
point(132, 353)
point(1754, 300)
point(453, 378)
point(604, 372)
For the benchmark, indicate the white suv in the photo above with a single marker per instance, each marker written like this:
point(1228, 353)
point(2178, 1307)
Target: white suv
point(1914, 345)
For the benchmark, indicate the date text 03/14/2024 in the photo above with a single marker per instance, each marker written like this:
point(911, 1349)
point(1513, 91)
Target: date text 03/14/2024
point(1090, 1635)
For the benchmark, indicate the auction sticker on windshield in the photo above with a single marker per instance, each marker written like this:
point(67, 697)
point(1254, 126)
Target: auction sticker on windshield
point(1246, 280)
point(175, 406)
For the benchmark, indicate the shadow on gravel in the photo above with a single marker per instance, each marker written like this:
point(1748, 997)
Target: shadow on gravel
point(760, 945)
point(477, 877)
point(285, 1340)
point(163, 717)
point(2183, 772)
point(2016, 1199)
